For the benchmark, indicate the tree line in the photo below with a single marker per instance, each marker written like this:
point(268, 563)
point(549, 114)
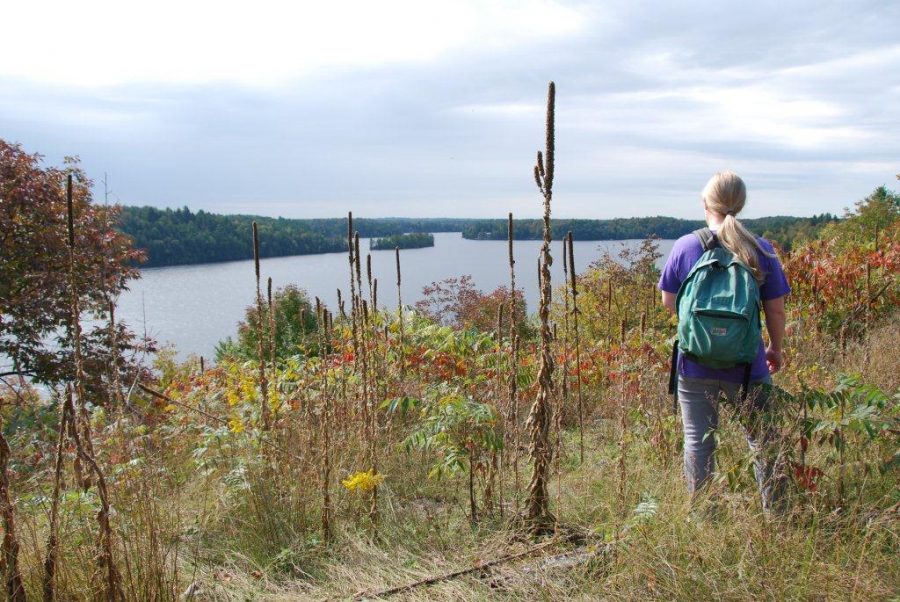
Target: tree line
point(784, 230)
point(181, 236)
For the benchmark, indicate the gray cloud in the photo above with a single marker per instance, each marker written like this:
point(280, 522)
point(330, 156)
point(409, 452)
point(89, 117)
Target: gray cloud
point(801, 99)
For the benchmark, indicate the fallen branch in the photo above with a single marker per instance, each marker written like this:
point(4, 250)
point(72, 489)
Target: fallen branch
point(453, 575)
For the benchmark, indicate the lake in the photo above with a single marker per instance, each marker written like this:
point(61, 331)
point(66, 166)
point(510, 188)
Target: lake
point(193, 307)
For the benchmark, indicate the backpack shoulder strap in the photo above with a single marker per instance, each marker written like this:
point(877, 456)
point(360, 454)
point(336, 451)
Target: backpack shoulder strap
point(707, 238)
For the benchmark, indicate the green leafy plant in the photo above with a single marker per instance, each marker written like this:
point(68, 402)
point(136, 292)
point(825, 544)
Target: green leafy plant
point(460, 433)
point(850, 417)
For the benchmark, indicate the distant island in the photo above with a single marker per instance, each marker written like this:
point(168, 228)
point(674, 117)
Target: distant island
point(413, 240)
point(182, 237)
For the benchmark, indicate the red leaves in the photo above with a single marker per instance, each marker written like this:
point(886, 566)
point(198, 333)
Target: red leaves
point(457, 302)
point(806, 476)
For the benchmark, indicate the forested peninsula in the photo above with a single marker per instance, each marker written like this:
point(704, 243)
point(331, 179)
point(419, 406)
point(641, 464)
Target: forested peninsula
point(181, 236)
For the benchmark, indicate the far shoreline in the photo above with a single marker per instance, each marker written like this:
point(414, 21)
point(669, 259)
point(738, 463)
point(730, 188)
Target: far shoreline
point(474, 240)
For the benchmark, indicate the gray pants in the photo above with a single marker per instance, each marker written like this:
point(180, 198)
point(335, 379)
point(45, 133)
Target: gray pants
point(699, 399)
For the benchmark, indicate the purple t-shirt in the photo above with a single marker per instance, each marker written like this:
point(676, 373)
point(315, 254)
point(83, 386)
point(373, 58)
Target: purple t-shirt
point(685, 253)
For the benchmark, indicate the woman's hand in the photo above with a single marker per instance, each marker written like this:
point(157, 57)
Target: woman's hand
point(774, 359)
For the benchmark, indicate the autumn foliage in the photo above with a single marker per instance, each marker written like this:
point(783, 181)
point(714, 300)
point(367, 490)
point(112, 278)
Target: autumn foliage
point(34, 286)
point(457, 302)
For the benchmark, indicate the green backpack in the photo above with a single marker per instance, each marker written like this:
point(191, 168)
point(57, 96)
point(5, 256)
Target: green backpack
point(718, 311)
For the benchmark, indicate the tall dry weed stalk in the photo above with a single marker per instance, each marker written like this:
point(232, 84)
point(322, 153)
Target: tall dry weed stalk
point(340, 303)
point(497, 468)
point(537, 513)
point(52, 557)
point(400, 317)
point(868, 304)
point(623, 424)
point(375, 294)
point(260, 353)
point(567, 333)
point(354, 314)
point(575, 313)
point(372, 303)
point(82, 432)
point(272, 340)
point(513, 410)
point(116, 397)
point(325, 336)
point(369, 386)
point(358, 264)
point(609, 315)
point(367, 322)
point(362, 318)
point(557, 439)
point(15, 588)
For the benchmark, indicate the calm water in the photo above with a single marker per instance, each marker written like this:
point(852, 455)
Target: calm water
point(193, 307)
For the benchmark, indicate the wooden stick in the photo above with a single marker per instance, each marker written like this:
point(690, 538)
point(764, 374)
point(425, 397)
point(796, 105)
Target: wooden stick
point(454, 574)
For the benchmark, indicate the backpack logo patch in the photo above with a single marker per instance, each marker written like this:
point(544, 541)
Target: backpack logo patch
point(718, 331)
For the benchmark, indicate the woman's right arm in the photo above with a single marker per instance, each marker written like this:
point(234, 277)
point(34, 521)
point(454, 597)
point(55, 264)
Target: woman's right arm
point(668, 300)
point(775, 319)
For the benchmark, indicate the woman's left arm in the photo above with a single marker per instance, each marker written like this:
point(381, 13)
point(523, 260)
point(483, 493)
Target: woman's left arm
point(775, 319)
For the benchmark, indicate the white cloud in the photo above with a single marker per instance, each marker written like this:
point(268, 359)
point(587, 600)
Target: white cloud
point(869, 59)
point(266, 42)
point(510, 109)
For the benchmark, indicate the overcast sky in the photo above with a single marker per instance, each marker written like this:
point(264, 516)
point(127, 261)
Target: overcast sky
point(436, 108)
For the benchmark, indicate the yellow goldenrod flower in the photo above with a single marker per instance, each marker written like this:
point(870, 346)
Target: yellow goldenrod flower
point(363, 481)
point(232, 397)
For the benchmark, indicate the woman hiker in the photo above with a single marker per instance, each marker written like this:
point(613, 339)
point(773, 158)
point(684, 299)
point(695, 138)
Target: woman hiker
point(700, 387)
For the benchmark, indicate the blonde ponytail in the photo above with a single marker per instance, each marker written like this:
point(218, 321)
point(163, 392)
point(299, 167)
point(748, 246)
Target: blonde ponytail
point(725, 194)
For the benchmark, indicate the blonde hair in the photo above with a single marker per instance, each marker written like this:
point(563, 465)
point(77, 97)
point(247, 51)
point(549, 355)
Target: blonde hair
point(726, 194)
